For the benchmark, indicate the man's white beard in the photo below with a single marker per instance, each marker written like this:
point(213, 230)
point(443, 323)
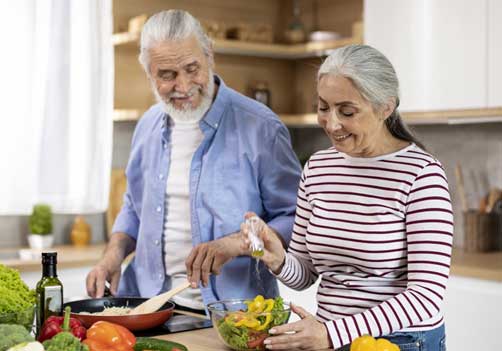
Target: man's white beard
point(187, 114)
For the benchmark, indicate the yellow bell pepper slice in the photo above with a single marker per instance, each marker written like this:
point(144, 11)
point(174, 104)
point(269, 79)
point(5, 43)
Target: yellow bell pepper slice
point(257, 304)
point(269, 304)
point(249, 322)
point(268, 319)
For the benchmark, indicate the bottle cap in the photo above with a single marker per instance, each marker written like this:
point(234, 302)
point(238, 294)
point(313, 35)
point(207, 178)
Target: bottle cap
point(49, 257)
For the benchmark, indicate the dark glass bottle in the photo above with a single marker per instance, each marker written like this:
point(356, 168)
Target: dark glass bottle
point(49, 290)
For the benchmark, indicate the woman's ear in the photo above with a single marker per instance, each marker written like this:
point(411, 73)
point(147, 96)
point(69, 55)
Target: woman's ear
point(388, 108)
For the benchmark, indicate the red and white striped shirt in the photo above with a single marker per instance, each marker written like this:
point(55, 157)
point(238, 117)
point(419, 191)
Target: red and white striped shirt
point(379, 232)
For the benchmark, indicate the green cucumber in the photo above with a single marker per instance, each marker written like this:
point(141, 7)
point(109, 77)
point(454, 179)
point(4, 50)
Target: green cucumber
point(143, 343)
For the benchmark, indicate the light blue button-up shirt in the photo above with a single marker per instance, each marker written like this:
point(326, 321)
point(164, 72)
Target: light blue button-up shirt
point(244, 163)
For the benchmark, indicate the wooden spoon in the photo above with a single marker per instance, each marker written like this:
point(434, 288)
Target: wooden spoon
point(154, 303)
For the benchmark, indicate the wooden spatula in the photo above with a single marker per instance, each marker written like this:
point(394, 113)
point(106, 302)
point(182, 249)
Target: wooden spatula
point(153, 304)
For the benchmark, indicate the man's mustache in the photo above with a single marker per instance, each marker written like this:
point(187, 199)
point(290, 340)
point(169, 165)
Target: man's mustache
point(190, 93)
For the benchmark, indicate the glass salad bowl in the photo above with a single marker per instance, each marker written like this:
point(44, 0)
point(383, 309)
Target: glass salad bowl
point(244, 324)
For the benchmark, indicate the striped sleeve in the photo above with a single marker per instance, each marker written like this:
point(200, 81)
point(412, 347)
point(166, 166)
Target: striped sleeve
point(429, 234)
point(299, 272)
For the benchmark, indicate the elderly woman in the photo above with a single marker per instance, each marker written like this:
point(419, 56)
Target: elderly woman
point(373, 219)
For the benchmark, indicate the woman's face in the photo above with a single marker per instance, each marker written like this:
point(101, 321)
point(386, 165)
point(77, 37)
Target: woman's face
point(349, 120)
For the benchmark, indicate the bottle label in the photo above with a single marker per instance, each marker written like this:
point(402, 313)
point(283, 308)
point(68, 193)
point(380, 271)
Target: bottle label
point(53, 300)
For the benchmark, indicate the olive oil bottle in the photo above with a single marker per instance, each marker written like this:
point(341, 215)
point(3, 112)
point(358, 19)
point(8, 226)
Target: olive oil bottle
point(49, 290)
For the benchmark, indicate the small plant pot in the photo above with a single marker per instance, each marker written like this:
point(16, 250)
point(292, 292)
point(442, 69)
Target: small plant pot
point(37, 241)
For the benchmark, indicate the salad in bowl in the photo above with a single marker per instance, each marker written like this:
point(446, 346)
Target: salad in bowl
point(244, 324)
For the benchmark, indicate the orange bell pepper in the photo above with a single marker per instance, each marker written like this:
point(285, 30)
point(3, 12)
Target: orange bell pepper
point(105, 336)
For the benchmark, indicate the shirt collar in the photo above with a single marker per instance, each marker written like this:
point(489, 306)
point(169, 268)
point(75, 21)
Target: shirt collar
point(215, 112)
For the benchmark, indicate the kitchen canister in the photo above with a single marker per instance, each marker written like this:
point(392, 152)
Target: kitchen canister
point(481, 231)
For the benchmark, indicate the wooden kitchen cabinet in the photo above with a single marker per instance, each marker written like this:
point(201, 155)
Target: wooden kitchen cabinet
point(439, 50)
point(289, 70)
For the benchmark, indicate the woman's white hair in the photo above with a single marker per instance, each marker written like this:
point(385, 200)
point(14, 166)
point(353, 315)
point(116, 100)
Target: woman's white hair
point(171, 25)
point(368, 69)
point(374, 77)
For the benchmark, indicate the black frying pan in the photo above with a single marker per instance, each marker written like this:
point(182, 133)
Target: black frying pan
point(131, 322)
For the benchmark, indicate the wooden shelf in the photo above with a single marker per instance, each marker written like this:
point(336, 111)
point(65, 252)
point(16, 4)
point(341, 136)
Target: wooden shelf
point(470, 116)
point(124, 115)
point(241, 48)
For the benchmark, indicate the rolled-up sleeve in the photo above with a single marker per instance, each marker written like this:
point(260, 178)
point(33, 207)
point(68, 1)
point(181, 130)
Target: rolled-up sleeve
point(127, 220)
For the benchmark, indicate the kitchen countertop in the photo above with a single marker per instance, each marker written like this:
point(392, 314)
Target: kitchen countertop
point(486, 266)
point(480, 265)
point(197, 340)
point(69, 256)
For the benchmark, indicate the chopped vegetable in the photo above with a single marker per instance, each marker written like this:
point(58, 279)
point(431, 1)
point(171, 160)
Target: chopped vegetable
point(12, 334)
point(106, 336)
point(64, 341)
point(248, 329)
point(143, 344)
point(16, 304)
point(55, 325)
point(28, 346)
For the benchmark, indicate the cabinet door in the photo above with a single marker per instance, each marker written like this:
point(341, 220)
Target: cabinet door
point(472, 314)
point(494, 53)
point(438, 48)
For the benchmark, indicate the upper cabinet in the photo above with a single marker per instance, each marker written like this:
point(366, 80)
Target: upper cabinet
point(439, 50)
point(494, 53)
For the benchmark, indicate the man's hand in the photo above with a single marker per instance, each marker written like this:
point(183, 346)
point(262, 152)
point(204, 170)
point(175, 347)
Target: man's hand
point(305, 334)
point(109, 268)
point(100, 274)
point(209, 257)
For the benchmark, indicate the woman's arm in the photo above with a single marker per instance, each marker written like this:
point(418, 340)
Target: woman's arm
point(298, 271)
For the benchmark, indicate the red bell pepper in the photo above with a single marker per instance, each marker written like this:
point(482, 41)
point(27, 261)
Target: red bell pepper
point(55, 325)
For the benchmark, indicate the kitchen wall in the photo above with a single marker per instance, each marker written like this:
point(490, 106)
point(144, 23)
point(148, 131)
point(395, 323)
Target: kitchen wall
point(478, 147)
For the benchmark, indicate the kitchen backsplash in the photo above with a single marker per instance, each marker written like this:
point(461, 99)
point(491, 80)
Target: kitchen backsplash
point(478, 148)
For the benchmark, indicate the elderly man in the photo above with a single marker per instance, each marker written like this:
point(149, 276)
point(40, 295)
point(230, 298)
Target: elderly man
point(200, 158)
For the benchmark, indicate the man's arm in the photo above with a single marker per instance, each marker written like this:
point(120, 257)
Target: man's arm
point(109, 267)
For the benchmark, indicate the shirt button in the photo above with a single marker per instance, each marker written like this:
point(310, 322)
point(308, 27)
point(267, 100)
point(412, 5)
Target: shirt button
point(160, 276)
point(159, 209)
point(164, 145)
point(157, 242)
point(161, 176)
point(216, 125)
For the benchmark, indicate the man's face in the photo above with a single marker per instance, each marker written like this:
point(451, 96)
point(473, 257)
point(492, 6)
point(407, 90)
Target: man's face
point(180, 72)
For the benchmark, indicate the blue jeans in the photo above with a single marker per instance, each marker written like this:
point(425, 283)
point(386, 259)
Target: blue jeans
point(430, 340)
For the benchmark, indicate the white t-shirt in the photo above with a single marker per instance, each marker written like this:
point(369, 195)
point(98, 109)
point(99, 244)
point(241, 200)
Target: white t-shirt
point(185, 139)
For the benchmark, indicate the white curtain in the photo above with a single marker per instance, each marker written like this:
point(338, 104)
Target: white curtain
point(56, 87)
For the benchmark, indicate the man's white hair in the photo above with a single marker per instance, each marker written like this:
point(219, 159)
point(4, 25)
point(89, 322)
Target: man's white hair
point(171, 25)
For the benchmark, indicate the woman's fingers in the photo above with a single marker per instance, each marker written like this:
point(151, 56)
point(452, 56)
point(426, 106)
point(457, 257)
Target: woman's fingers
point(301, 312)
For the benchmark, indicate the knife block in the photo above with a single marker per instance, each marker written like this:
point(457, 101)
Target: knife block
point(481, 231)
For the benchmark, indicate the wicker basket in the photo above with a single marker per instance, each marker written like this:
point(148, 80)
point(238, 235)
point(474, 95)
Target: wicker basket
point(481, 231)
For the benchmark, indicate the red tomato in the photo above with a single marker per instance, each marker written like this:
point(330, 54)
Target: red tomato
point(258, 341)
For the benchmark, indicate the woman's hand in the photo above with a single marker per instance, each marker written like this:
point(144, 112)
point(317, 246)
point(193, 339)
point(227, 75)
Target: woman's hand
point(274, 253)
point(309, 334)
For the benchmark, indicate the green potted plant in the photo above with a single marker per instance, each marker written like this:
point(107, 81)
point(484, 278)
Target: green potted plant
point(40, 223)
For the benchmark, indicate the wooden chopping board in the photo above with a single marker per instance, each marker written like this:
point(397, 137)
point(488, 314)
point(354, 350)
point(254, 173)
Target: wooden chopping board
point(118, 185)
